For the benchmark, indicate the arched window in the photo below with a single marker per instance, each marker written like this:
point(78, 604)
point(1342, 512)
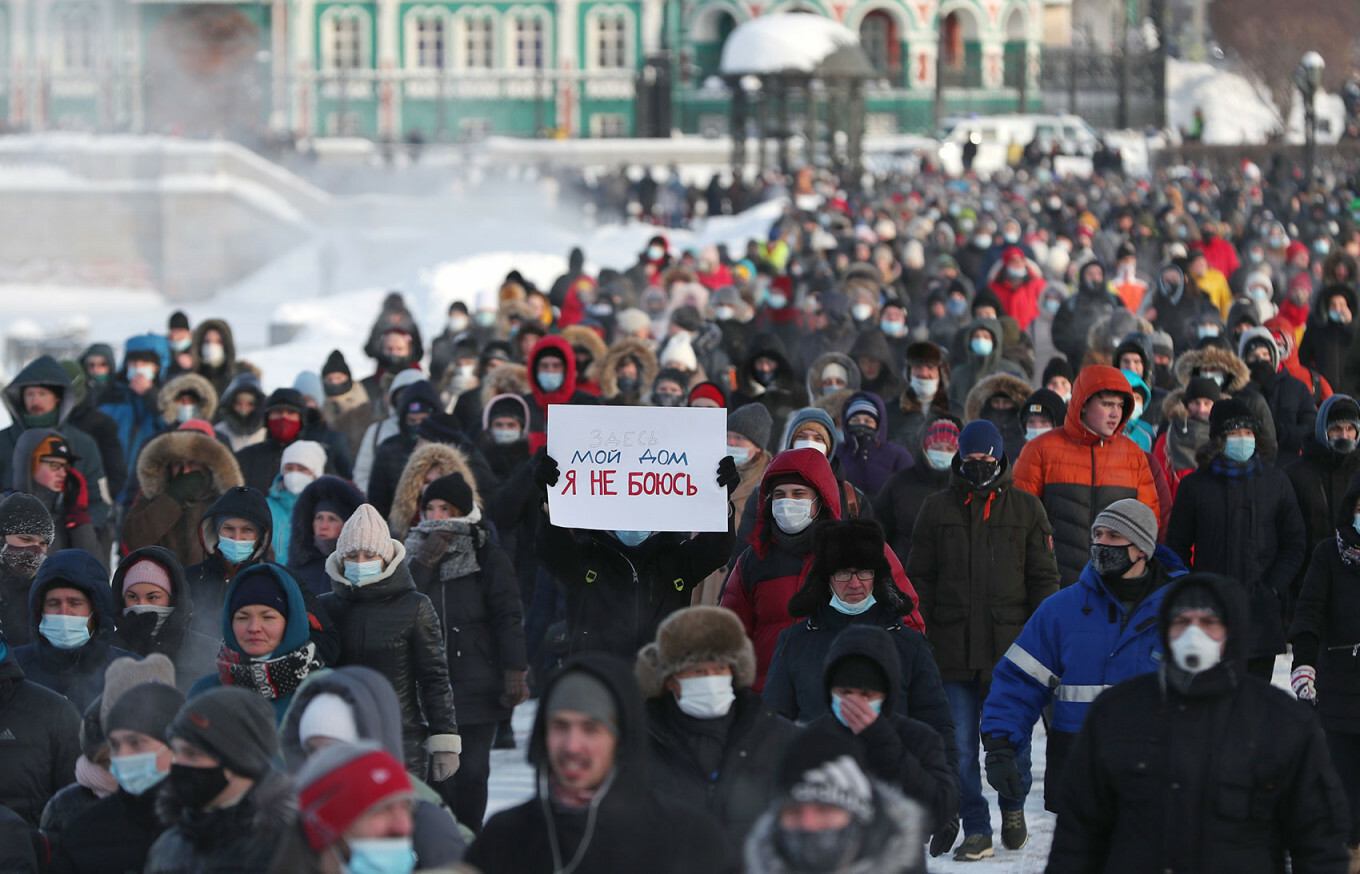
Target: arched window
point(878, 35)
point(346, 38)
point(426, 31)
point(1013, 67)
point(529, 35)
point(960, 51)
point(74, 26)
point(609, 34)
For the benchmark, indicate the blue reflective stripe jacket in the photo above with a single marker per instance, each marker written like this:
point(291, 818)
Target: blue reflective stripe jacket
point(1070, 651)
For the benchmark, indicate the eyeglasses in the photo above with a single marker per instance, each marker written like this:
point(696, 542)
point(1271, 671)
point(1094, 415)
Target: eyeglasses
point(53, 463)
point(844, 576)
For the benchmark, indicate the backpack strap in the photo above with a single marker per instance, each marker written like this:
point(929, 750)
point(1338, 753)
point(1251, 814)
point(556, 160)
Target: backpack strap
point(849, 501)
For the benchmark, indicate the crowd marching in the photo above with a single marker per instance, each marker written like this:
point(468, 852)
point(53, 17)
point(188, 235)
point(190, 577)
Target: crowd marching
point(998, 452)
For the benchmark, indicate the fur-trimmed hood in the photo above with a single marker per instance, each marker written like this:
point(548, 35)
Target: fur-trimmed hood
point(228, 343)
point(1012, 387)
point(1106, 333)
point(153, 464)
point(406, 499)
point(607, 368)
point(507, 379)
point(693, 636)
point(1235, 372)
point(837, 545)
point(580, 335)
point(193, 383)
point(328, 489)
point(1173, 407)
point(814, 374)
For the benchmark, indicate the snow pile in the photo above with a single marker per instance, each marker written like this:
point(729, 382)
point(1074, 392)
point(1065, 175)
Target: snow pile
point(1235, 111)
point(775, 43)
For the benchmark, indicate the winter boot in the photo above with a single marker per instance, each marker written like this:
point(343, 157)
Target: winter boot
point(1014, 833)
point(505, 736)
point(974, 848)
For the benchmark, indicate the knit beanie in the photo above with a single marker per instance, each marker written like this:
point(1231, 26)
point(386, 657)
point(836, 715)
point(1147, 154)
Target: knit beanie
point(826, 767)
point(857, 672)
point(328, 715)
point(707, 390)
point(452, 489)
point(506, 406)
point(310, 385)
point(670, 374)
point(367, 531)
point(442, 427)
point(862, 405)
point(1194, 594)
point(308, 453)
point(179, 321)
point(335, 363)
point(231, 724)
point(817, 426)
point(1230, 415)
point(980, 436)
point(126, 672)
point(257, 585)
point(583, 692)
point(147, 709)
point(1133, 519)
point(942, 434)
point(835, 371)
point(753, 422)
point(1202, 387)
point(632, 320)
point(679, 355)
point(687, 318)
point(25, 514)
point(341, 783)
point(147, 571)
point(1344, 410)
point(1058, 367)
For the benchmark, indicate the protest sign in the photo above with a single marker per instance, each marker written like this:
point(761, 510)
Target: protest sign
point(637, 468)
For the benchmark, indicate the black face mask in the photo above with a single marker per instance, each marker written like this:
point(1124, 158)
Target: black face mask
point(1110, 561)
point(764, 377)
point(979, 471)
point(864, 433)
point(817, 851)
point(1342, 445)
point(628, 384)
point(195, 787)
point(22, 561)
point(335, 389)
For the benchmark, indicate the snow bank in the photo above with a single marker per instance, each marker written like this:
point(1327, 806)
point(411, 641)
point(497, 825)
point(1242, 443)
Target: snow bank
point(1235, 112)
point(774, 43)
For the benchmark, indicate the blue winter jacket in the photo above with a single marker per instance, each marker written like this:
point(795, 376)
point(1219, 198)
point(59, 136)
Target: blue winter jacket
point(1072, 649)
point(281, 503)
point(138, 417)
point(867, 464)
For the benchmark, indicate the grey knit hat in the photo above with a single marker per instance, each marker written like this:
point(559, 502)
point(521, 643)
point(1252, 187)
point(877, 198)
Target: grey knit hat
point(366, 530)
point(1133, 519)
point(124, 673)
point(231, 724)
point(753, 422)
point(147, 708)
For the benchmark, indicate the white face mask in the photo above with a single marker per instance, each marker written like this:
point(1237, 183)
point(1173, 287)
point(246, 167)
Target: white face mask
point(458, 323)
point(213, 354)
point(792, 515)
point(1195, 651)
point(706, 697)
point(809, 444)
point(924, 388)
point(861, 312)
point(295, 481)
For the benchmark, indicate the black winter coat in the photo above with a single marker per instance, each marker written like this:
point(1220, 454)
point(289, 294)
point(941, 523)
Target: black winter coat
point(739, 791)
point(240, 839)
point(103, 430)
point(1325, 634)
point(71, 800)
point(1324, 348)
point(1291, 406)
point(476, 597)
point(899, 503)
point(113, 836)
point(1223, 773)
point(1249, 529)
point(45, 732)
point(617, 595)
point(14, 606)
point(981, 562)
point(390, 460)
point(1075, 318)
point(194, 654)
point(635, 829)
point(795, 687)
point(388, 626)
point(19, 844)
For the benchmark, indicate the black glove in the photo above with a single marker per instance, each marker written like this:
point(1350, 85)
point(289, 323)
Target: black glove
point(943, 840)
point(546, 472)
point(1002, 773)
point(727, 474)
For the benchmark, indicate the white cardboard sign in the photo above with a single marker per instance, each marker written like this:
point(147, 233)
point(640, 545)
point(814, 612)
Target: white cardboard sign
point(637, 468)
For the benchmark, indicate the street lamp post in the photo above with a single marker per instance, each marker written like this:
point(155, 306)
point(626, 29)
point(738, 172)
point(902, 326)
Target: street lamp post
point(1308, 78)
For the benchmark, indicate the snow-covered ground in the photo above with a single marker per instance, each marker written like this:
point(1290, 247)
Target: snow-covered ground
point(512, 781)
point(1235, 111)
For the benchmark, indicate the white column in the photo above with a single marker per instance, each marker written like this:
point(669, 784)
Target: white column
point(993, 64)
point(302, 67)
point(389, 89)
point(20, 62)
point(652, 21)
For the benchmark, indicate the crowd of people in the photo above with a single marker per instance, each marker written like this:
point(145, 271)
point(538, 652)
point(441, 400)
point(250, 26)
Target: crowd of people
point(998, 451)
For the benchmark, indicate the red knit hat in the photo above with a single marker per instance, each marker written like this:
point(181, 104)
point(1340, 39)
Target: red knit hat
point(343, 782)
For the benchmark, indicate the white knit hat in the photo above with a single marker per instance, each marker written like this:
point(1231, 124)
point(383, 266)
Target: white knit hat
point(308, 453)
point(366, 531)
point(328, 715)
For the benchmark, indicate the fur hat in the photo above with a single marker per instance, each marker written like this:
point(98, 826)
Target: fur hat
point(692, 636)
point(366, 531)
point(837, 545)
point(924, 355)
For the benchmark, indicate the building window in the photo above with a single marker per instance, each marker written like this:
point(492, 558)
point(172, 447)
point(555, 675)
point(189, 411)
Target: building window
point(607, 125)
point(429, 39)
point(877, 37)
point(73, 43)
point(479, 43)
point(529, 42)
point(347, 48)
point(611, 41)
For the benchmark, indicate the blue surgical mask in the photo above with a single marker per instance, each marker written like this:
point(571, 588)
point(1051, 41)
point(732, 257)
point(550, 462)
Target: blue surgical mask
point(892, 329)
point(505, 436)
point(1204, 331)
point(360, 572)
point(655, 253)
point(956, 306)
point(981, 346)
point(65, 632)
point(779, 301)
point(939, 459)
point(836, 703)
point(740, 455)
point(380, 856)
point(1239, 448)
point(181, 345)
point(851, 609)
point(551, 381)
point(1334, 316)
point(632, 538)
point(1355, 522)
point(485, 318)
point(147, 370)
point(235, 551)
point(185, 412)
point(1031, 433)
point(136, 773)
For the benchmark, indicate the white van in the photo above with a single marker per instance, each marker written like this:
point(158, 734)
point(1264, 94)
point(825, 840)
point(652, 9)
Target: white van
point(994, 134)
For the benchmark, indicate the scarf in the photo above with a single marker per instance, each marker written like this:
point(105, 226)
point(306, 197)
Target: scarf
point(272, 678)
point(1350, 555)
point(94, 778)
point(1229, 469)
point(452, 543)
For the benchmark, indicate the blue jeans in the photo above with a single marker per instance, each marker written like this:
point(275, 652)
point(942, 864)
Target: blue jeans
point(965, 705)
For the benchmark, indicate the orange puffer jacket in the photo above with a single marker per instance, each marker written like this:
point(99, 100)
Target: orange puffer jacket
point(1077, 473)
